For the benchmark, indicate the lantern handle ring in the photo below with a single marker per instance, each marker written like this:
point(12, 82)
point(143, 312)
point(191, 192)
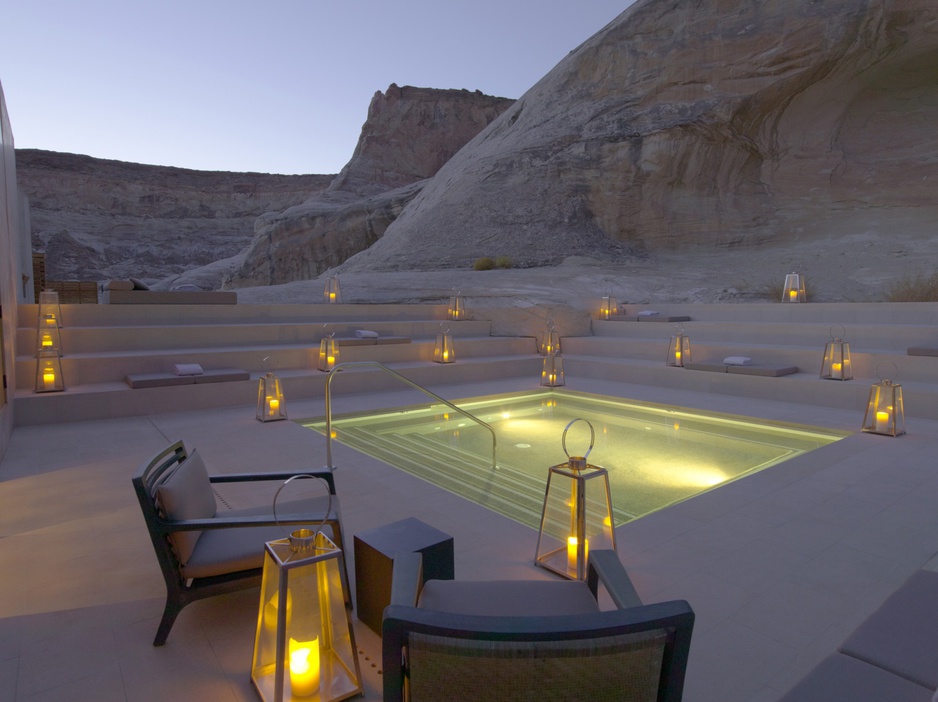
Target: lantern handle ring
point(837, 337)
point(303, 539)
point(444, 328)
point(887, 376)
point(563, 440)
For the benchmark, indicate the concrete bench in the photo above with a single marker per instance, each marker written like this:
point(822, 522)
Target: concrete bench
point(648, 318)
point(890, 656)
point(922, 351)
point(373, 341)
point(761, 369)
point(210, 375)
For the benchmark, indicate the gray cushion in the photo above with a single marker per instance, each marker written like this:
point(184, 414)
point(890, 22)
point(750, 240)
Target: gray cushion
point(187, 494)
point(118, 285)
point(922, 351)
point(715, 367)
point(498, 598)
point(902, 635)
point(840, 678)
point(139, 284)
point(156, 380)
point(221, 375)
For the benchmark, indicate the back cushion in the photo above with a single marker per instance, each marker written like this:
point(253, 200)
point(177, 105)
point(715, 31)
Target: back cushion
point(187, 494)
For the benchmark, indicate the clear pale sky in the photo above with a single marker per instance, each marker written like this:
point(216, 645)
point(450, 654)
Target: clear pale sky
point(278, 86)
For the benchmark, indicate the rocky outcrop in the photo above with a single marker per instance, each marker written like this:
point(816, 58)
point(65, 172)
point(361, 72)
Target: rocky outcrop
point(98, 219)
point(698, 123)
point(409, 134)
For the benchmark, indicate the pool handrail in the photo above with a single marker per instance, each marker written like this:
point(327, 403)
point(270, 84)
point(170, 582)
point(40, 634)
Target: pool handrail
point(375, 364)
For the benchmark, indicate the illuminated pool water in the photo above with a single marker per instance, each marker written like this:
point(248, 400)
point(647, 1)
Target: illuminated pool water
point(656, 455)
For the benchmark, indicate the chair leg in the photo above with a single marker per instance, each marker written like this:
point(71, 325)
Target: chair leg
point(170, 612)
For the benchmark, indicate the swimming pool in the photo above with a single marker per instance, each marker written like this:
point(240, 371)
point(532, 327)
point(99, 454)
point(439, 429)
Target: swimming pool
point(656, 455)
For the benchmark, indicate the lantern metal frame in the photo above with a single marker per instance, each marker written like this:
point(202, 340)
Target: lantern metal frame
point(49, 376)
point(552, 371)
point(885, 408)
point(836, 363)
point(550, 340)
point(328, 352)
point(567, 497)
point(270, 404)
point(679, 351)
point(48, 322)
point(443, 349)
point(302, 602)
point(794, 290)
point(331, 292)
point(608, 307)
point(456, 310)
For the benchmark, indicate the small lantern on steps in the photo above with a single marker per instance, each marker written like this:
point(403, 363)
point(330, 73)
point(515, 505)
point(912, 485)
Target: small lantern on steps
point(443, 349)
point(552, 371)
point(48, 323)
point(885, 411)
point(794, 288)
point(304, 646)
point(270, 404)
point(456, 310)
point(550, 341)
point(679, 349)
point(577, 514)
point(836, 363)
point(49, 372)
point(328, 352)
point(608, 307)
point(331, 293)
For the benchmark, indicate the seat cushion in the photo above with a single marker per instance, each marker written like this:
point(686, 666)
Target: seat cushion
point(902, 635)
point(497, 598)
point(840, 678)
point(187, 494)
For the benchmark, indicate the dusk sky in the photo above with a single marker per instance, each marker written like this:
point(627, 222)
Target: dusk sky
point(279, 87)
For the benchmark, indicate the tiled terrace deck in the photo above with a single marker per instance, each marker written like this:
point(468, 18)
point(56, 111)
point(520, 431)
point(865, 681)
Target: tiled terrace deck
point(779, 566)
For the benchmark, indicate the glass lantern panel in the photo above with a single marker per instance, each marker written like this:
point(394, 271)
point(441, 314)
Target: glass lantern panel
point(608, 307)
point(443, 350)
point(328, 354)
point(331, 292)
point(885, 410)
point(550, 343)
point(552, 371)
point(456, 310)
point(576, 518)
point(270, 404)
point(794, 288)
point(836, 363)
point(679, 351)
point(49, 372)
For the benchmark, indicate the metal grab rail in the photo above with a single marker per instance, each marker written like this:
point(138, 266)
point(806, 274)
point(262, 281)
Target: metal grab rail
point(376, 364)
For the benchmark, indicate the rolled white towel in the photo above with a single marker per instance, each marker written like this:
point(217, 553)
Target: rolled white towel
point(365, 334)
point(187, 369)
point(737, 361)
point(648, 313)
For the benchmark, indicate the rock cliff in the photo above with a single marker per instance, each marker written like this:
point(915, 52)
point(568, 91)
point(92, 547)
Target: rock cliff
point(98, 219)
point(408, 135)
point(707, 123)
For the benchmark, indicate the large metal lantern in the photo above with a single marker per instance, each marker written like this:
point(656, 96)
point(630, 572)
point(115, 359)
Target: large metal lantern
point(456, 309)
point(331, 292)
point(328, 353)
point(836, 365)
point(443, 349)
point(49, 372)
point(679, 349)
point(794, 288)
point(304, 647)
point(552, 371)
point(577, 514)
point(270, 404)
point(885, 411)
point(550, 341)
point(608, 307)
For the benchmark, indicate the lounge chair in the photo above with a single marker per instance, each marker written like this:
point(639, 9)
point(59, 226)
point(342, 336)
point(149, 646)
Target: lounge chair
point(531, 640)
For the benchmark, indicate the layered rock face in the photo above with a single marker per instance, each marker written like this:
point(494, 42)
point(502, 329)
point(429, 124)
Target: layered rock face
point(409, 134)
point(702, 122)
point(98, 219)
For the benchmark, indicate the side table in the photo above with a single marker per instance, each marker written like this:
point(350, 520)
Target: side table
point(374, 560)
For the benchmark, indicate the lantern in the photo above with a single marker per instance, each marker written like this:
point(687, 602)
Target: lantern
point(608, 307)
point(270, 404)
point(48, 322)
point(443, 351)
point(456, 309)
point(550, 342)
point(835, 365)
point(328, 353)
point(330, 293)
point(304, 647)
point(679, 349)
point(552, 371)
point(49, 372)
point(885, 412)
point(577, 514)
point(794, 288)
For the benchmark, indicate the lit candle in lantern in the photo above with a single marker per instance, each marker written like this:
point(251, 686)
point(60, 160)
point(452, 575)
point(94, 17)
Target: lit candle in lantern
point(273, 405)
point(837, 370)
point(445, 355)
point(331, 296)
point(47, 341)
point(677, 355)
point(793, 295)
point(50, 320)
point(48, 379)
point(330, 360)
point(304, 667)
point(883, 420)
point(571, 552)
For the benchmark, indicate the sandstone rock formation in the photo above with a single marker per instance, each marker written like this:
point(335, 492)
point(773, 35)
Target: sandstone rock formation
point(409, 134)
point(702, 122)
point(98, 219)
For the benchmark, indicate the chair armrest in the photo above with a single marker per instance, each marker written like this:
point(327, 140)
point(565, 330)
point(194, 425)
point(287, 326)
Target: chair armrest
point(281, 475)
point(605, 567)
point(233, 522)
point(406, 579)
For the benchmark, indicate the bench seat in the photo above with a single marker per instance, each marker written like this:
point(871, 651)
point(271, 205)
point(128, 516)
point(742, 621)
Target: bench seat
point(761, 369)
point(210, 375)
